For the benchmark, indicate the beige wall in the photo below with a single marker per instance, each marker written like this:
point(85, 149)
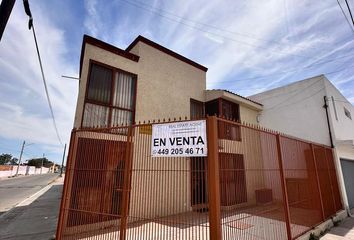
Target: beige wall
point(164, 86)
point(100, 55)
point(251, 149)
point(160, 186)
point(248, 115)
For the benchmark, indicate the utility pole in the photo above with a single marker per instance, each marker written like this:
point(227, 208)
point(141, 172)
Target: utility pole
point(19, 161)
point(42, 163)
point(62, 162)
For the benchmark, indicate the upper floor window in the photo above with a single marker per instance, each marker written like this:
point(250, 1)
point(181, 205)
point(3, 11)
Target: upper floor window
point(347, 113)
point(223, 108)
point(110, 97)
point(228, 110)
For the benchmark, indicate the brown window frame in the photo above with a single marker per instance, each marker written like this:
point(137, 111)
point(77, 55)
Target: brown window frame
point(193, 101)
point(110, 104)
point(226, 130)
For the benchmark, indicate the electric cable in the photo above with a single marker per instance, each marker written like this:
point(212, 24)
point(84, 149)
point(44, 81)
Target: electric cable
point(30, 25)
point(345, 16)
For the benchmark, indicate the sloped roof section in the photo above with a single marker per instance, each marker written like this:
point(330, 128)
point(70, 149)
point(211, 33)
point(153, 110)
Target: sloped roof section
point(108, 47)
point(165, 50)
point(248, 99)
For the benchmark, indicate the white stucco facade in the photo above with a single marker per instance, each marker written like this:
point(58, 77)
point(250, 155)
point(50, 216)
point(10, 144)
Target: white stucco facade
point(298, 109)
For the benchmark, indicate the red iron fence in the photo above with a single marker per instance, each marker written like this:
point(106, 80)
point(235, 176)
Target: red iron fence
point(254, 184)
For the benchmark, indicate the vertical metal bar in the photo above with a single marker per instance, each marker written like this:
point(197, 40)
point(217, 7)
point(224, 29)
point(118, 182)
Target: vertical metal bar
point(318, 181)
point(283, 185)
point(126, 185)
point(213, 179)
point(65, 187)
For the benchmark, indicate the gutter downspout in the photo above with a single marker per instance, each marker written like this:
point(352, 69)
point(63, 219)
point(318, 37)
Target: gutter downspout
point(329, 126)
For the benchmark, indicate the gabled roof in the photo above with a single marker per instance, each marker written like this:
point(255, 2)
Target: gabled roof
point(108, 47)
point(165, 50)
point(127, 54)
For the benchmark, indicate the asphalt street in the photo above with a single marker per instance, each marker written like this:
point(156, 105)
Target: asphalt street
point(34, 218)
point(15, 190)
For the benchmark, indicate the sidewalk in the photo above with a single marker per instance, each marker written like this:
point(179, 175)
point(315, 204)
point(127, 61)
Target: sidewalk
point(34, 218)
point(344, 231)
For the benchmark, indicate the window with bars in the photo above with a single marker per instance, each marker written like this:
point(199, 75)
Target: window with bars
point(110, 97)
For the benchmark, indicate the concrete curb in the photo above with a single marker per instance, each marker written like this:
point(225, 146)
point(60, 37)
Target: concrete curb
point(31, 198)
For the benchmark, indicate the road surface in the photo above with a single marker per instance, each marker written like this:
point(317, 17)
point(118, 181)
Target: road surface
point(34, 218)
point(15, 190)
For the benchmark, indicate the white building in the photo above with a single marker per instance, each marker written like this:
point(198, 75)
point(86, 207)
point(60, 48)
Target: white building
point(299, 109)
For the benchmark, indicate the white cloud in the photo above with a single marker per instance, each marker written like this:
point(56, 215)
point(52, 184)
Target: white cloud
point(235, 39)
point(24, 109)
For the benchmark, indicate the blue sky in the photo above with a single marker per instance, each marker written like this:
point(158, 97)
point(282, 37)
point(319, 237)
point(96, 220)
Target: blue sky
point(249, 46)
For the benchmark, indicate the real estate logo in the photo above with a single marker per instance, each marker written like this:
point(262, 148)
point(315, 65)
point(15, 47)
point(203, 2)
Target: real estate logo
point(179, 139)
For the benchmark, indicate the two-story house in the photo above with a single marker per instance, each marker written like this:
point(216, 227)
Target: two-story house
point(147, 81)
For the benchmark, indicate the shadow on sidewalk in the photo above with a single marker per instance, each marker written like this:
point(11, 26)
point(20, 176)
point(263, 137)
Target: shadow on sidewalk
point(344, 231)
point(38, 220)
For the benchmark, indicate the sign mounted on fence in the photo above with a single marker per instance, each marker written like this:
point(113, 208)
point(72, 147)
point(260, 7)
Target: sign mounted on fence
point(179, 139)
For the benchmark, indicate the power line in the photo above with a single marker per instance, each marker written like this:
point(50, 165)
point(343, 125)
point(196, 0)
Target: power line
point(345, 16)
point(30, 25)
point(293, 95)
point(301, 100)
point(285, 72)
point(219, 29)
point(350, 12)
point(300, 90)
point(183, 21)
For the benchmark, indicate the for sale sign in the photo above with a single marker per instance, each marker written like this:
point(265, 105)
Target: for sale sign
point(179, 139)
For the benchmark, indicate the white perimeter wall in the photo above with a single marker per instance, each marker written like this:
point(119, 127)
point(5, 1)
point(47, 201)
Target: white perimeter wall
point(23, 170)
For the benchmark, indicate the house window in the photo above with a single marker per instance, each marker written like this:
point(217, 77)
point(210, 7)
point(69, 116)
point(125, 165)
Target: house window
point(197, 109)
point(228, 110)
point(110, 97)
point(347, 113)
point(212, 108)
point(223, 108)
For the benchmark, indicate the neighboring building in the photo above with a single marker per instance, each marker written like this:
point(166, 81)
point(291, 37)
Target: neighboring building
point(299, 109)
